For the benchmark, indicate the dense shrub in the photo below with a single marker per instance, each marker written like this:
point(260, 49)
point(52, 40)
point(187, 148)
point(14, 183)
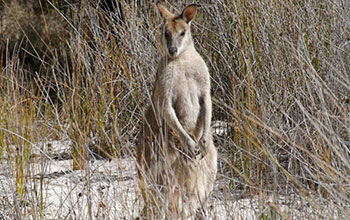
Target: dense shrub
point(280, 80)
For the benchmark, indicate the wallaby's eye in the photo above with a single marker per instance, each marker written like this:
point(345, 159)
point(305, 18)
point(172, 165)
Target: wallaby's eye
point(182, 34)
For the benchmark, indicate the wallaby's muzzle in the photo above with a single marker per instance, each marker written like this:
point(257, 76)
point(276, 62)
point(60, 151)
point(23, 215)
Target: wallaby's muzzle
point(172, 51)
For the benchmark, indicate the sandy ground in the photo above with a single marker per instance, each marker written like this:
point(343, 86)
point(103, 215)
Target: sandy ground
point(104, 190)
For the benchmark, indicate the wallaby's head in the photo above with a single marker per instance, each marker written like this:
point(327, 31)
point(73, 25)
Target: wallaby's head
point(176, 32)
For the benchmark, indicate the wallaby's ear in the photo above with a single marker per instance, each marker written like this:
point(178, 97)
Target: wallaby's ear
point(188, 13)
point(164, 12)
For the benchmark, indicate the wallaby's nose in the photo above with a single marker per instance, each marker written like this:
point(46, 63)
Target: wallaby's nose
point(172, 51)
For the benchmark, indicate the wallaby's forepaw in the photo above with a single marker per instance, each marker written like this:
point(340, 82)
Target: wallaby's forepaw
point(193, 149)
point(198, 149)
point(204, 145)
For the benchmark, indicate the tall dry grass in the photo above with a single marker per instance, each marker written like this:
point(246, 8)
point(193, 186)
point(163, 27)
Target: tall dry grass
point(280, 80)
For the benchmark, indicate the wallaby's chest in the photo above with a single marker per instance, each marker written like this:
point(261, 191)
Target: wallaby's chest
point(182, 75)
point(183, 84)
point(185, 91)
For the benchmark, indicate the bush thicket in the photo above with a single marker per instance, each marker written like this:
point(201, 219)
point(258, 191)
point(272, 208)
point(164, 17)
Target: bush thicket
point(83, 70)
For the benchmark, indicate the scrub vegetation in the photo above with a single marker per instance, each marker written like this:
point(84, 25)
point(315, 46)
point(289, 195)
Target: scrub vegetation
point(83, 71)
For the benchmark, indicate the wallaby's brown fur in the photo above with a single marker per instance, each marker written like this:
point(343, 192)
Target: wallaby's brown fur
point(175, 152)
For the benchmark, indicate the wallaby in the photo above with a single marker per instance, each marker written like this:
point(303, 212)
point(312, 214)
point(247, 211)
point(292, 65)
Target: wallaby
point(176, 156)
